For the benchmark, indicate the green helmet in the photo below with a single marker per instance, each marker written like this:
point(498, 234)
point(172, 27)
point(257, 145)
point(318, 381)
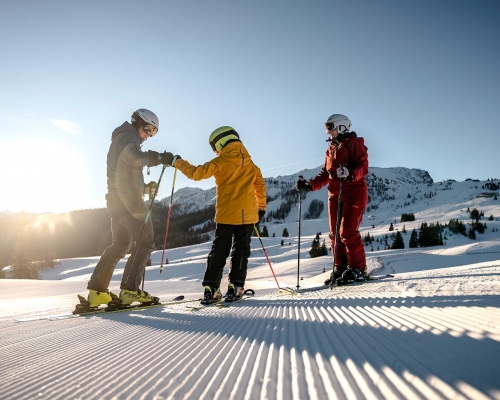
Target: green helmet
point(219, 138)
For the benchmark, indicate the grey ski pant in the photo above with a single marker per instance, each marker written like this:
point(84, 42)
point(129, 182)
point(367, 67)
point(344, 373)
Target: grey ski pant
point(125, 226)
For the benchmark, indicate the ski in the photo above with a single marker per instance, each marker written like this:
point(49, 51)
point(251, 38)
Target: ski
point(104, 310)
point(322, 287)
point(201, 305)
point(369, 278)
point(224, 302)
point(379, 277)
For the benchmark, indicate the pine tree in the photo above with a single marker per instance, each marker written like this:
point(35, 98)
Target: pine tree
point(285, 233)
point(314, 252)
point(398, 241)
point(265, 232)
point(323, 251)
point(424, 235)
point(413, 239)
point(23, 266)
point(391, 227)
point(475, 215)
point(367, 238)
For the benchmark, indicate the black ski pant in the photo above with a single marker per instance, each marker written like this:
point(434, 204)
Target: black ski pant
point(229, 238)
point(126, 224)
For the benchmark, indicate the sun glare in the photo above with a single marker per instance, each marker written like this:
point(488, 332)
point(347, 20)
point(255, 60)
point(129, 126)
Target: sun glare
point(42, 176)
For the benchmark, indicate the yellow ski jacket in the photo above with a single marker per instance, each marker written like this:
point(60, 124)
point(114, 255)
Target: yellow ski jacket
point(241, 190)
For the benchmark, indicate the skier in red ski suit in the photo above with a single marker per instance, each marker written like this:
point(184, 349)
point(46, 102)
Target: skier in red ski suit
point(346, 160)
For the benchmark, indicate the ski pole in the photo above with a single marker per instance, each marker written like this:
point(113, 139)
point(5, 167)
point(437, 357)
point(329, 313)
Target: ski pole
point(143, 227)
point(265, 252)
point(337, 227)
point(300, 218)
point(168, 220)
point(151, 201)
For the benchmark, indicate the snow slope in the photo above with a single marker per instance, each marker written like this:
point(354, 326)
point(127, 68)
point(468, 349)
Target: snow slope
point(432, 334)
point(430, 331)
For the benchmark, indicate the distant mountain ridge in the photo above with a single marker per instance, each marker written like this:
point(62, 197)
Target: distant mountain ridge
point(380, 181)
point(392, 193)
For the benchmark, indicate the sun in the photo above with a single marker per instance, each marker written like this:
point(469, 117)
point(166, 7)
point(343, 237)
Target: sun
point(42, 176)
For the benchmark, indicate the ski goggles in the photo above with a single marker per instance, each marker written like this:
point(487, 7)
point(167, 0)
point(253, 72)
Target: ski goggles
point(151, 130)
point(330, 126)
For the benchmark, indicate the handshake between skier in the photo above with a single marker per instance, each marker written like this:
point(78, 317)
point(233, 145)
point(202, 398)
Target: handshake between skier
point(241, 203)
point(344, 171)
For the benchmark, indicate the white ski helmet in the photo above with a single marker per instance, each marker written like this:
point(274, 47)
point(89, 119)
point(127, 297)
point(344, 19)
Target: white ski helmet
point(338, 121)
point(149, 118)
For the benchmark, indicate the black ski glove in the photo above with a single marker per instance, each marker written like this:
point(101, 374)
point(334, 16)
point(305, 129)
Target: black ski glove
point(302, 184)
point(176, 157)
point(154, 158)
point(167, 158)
point(261, 215)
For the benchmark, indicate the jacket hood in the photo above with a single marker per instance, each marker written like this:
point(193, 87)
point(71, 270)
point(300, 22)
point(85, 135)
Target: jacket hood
point(235, 153)
point(341, 138)
point(347, 135)
point(125, 127)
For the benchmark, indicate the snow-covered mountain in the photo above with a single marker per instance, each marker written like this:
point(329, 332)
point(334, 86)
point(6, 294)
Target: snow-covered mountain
point(191, 199)
point(392, 192)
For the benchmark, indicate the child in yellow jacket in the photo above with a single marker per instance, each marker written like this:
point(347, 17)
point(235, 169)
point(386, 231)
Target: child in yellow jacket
point(241, 203)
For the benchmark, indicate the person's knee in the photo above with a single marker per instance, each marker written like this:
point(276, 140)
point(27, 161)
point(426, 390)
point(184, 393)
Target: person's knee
point(118, 250)
point(147, 239)
point(350, 236)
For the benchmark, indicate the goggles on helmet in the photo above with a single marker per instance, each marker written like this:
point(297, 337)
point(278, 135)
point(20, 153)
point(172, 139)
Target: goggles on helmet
point(215, 140)
point(330, 126)
point(151, 130)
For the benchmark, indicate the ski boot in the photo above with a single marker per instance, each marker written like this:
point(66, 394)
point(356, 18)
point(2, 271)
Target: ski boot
point(92, 302)
point(211, 295)
point(350, 275)
point(96, 298)
point(333, 277)
point(127, 297)
point(234, 292)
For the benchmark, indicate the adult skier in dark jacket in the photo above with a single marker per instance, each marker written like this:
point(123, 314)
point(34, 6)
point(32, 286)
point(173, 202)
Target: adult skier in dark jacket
point(127, 210)
point(347, 161)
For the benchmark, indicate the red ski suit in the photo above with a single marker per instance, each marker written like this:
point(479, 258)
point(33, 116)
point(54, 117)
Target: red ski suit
point(350, 151)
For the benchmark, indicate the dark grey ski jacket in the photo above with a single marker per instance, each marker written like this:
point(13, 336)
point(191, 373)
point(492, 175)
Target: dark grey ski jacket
point(125, 163)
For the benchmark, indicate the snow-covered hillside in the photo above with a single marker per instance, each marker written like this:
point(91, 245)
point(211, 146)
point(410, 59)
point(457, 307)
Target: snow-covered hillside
point(432, 333)
point(392, 191)
point(431, 330)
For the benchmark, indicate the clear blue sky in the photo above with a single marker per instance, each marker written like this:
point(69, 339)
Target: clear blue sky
point(419, 79)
